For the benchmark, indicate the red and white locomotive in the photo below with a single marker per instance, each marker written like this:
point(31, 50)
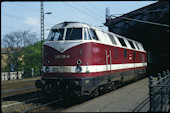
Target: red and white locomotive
point(79, 59)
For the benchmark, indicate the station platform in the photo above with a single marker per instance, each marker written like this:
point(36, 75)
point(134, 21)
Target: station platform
point(133, 97)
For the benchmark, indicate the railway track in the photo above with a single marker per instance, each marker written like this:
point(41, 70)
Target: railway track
point(16, 103)
point(18, 82)
point(58, 105)
point(43, 106)
point(9, 93)
point(37, 105)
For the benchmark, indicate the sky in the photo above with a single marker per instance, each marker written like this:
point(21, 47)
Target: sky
point(17, 16)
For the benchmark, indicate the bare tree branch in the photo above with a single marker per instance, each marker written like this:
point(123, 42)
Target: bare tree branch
point(14, 42)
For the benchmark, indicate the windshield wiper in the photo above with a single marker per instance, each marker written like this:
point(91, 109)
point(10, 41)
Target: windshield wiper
point(70, 33)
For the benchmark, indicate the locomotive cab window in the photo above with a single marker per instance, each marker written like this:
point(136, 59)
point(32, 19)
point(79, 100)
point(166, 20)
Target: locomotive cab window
point(86, 34)
point(73, 34)
point(93, 34)
point(56, 34)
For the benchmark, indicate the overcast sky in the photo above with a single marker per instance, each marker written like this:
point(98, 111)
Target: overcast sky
point(26, 15)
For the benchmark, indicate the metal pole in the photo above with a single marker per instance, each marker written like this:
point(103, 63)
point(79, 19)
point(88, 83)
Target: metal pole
point(151, 93)
point(42, 31)
point(107, 13)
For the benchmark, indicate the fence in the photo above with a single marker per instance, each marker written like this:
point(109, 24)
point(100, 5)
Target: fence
point(159, 92)
point(21, 74)
point(11, 75)
point(29, 73)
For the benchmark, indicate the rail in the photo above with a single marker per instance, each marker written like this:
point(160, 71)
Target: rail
point(41, 106)
point(17, 91)
point(159, 92)
point(8, 105)
point(11, 91)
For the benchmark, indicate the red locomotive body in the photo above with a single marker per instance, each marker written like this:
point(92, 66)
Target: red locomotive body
point(79, 59)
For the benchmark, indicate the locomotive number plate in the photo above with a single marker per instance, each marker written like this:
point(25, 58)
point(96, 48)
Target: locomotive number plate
point(62, 56)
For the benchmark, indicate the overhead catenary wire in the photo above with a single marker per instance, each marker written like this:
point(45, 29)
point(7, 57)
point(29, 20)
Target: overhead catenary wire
point(83, 12)
point(39, 11)
point(20, 18)
point(94, 8)
point(26, 7)
point(89, 10)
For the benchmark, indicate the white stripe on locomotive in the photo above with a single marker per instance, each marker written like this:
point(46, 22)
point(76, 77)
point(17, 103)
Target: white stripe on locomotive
point(93, 68)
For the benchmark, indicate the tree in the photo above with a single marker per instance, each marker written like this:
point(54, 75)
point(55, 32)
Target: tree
point(14, 42)
point(32, 60)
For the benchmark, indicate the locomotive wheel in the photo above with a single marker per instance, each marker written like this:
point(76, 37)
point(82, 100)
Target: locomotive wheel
point(48, 89)
point(113, 86)
point(64, 96)
point(43, 91)
point(107, 88)
point(118, 84)
point(95, 93)
point(137, 78)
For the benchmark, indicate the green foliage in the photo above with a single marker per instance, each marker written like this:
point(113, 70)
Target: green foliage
point(31, 58)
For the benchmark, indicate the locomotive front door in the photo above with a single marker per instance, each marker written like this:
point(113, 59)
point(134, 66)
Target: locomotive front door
point(108, 60)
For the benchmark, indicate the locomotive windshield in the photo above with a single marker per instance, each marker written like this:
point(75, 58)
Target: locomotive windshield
point(73, 34)
point(56, 34)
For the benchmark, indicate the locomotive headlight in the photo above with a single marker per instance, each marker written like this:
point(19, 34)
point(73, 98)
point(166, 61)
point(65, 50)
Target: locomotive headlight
point(78, 69)
point(47, 69)
point(79, 62)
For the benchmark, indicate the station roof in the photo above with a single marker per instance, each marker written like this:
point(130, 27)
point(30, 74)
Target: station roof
point(157, 12)
point(153, 35)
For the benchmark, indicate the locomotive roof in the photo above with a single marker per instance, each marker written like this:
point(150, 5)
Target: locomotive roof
point(72, 24)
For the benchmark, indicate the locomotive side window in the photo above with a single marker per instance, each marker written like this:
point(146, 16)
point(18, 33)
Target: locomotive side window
point(131, 44)
point(86, 35)
point(56, 34)
point(115, 52)
point(73, 34)
point(140, 46)
point(93, 34)
point(125, 53)
point(140, 56)
point(137, 46)
point(122, 42)
point(134, 54)
point(112, 39)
